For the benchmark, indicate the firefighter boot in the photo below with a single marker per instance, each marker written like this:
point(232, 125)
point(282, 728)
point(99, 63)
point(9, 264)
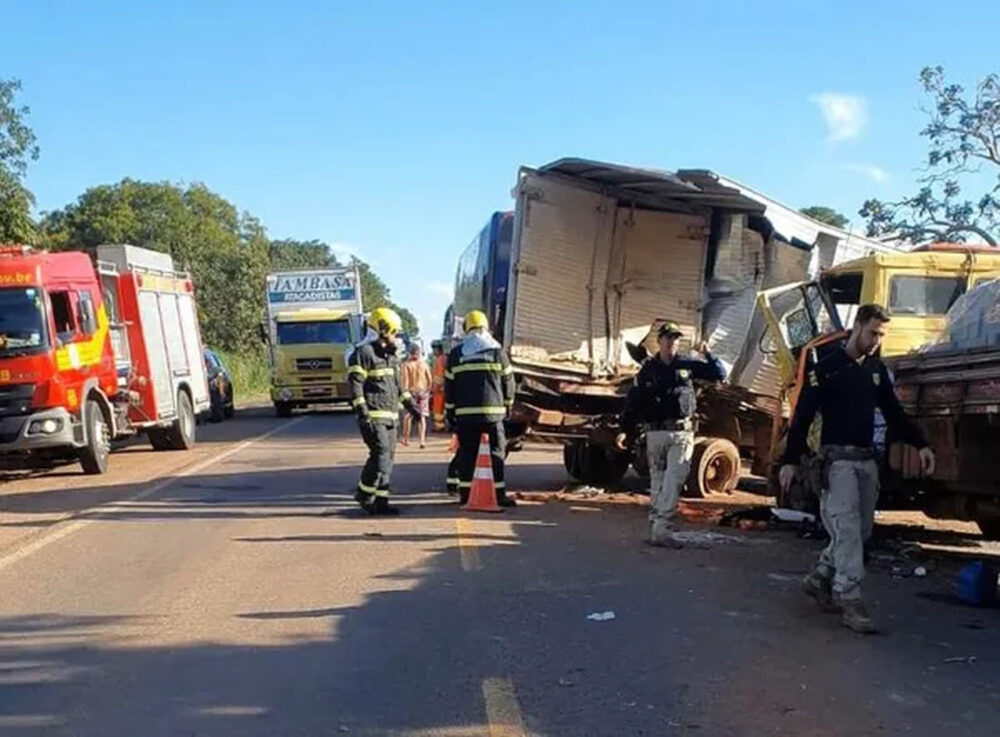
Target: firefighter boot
point(818, 587)
point(364, 499)
point(505, 501)
point(382, 507)
point(856, 616)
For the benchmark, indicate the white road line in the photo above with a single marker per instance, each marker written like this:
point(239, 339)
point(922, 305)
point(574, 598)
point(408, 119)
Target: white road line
point(81, 519)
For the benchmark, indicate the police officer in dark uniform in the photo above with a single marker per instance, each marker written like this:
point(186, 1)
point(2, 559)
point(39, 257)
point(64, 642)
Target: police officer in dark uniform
point(663, 400)
point(373, 374)
point(479, 392)
point(845, 385)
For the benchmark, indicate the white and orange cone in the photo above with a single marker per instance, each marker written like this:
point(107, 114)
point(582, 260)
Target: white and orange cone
point(483, 493)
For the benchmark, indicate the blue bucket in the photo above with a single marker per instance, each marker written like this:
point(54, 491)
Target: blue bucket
point(977, 584)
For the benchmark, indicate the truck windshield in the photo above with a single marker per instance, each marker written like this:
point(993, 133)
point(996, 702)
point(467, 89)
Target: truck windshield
point(22, 324)
point(324, 331)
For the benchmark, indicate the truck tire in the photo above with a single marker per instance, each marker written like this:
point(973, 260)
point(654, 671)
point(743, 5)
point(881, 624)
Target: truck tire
point(229, 408)
point(284, 409)
point(715, 468)
point(593, 465)
point(181, 434)
point(989, 524)
point(94, 455)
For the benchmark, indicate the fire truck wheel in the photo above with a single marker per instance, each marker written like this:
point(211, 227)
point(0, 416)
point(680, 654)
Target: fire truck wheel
point(180, 435)
point(283, 409)
point(94, 455)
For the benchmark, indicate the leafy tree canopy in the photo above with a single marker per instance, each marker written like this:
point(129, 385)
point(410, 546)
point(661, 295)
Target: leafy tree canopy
point(963, 137)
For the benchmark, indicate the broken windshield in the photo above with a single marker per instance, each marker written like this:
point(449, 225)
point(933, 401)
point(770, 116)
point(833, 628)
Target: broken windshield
point(22, 323)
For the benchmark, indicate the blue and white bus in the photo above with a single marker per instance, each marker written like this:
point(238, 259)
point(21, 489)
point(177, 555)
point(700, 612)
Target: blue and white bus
point(482, 276)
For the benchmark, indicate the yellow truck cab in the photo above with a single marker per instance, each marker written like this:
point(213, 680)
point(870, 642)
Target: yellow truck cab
point(314, 320)
point(916, 287)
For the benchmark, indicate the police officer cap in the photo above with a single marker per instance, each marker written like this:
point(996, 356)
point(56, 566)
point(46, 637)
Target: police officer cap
point(670, 329)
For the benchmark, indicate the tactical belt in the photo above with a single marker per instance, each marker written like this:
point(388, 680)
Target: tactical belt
point(831, 453)
point(669, 425)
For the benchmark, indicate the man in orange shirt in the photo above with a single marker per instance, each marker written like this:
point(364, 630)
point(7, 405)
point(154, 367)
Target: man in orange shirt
point(415, 377)
point(440, 366)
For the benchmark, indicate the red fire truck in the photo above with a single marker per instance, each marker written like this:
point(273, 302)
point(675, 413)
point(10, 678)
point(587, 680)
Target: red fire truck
point(92, 354)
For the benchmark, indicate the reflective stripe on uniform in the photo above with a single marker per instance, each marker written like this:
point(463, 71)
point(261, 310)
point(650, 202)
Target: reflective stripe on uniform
point(381, 492)
point(449, 405)
point(478, 366)
point(366, 488)
point(358, 402)
point(463, 411)
point(375, 373)
point(453, 481)
point(508, 371)
point(509, 402)
point(500, 485)
point(405, 395)
point(464, 484)
point(357, 370)
point(449, 375)
point(382, 414)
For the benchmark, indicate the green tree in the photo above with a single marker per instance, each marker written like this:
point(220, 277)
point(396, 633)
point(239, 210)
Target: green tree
point(375, 293)
point(963, 135)
point(225, 251)
point(17, 147)
point(825, 215)
point(287, 255)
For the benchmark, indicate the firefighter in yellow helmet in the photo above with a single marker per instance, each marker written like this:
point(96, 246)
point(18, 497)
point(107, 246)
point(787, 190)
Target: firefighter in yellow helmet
point(479, 392)
point(373, 374)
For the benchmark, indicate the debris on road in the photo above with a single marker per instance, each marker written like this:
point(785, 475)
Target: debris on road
point(967, 659)
point(920, 571)
point(601, 616)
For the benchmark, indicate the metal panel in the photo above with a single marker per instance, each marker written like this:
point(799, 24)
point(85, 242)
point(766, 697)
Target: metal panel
point(658, 269)
point(564, 240)
point(156, 351)
point(193, 349)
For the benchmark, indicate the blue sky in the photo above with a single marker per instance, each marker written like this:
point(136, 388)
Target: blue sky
point(394, 129)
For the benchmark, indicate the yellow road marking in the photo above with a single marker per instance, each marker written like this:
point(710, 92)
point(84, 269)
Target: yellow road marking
point(503, 713)
point(468, 550)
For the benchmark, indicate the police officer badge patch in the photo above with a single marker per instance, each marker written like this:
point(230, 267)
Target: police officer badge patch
point(876, 379)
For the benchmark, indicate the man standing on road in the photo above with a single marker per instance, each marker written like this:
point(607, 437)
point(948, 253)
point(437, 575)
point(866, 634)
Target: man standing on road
point(663, 400)
point(416, 379)
point(479, 392)
point(845, 386)
point(373, 373)
point(437, 402)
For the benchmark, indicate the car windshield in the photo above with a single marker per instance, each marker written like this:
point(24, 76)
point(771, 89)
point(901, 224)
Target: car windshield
point(22, 324)
point(323, 331)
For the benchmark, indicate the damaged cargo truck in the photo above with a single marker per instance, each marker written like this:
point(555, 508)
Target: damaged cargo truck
point(601, 255)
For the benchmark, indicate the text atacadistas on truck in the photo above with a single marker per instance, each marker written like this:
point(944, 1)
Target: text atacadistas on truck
point(314, 317)
point(88, 355)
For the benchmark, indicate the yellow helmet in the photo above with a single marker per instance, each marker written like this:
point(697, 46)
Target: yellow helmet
point(475, 319)
point(385, 321)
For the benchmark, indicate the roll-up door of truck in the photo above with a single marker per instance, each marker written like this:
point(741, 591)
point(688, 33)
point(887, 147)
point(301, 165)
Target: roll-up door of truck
point(176, 356)
point(156, 351)
point(559, 272)
point(193, 349)
point(657, 271)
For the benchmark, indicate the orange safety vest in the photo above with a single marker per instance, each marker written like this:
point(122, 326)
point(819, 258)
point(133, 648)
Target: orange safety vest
point(437, 396)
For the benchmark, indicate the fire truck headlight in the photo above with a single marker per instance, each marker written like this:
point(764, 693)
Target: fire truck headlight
point(44, 427)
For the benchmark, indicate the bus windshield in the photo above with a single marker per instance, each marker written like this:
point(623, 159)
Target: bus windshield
point(22, 322)
point(321, 331)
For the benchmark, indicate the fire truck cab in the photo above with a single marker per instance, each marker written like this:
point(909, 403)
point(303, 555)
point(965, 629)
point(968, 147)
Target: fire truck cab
point(89, 355)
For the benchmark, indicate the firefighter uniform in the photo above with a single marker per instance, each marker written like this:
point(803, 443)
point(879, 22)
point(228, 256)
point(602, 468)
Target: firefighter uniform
point(373, 374)
point(479, 392)
point(663, 401)
point(846, 393)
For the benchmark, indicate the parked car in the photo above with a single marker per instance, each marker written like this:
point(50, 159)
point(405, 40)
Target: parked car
point(220, 386)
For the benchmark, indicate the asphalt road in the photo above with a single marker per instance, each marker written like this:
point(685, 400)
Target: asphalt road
point(235, 590)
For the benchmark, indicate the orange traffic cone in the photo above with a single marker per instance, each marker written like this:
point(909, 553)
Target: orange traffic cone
point(483, 494)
